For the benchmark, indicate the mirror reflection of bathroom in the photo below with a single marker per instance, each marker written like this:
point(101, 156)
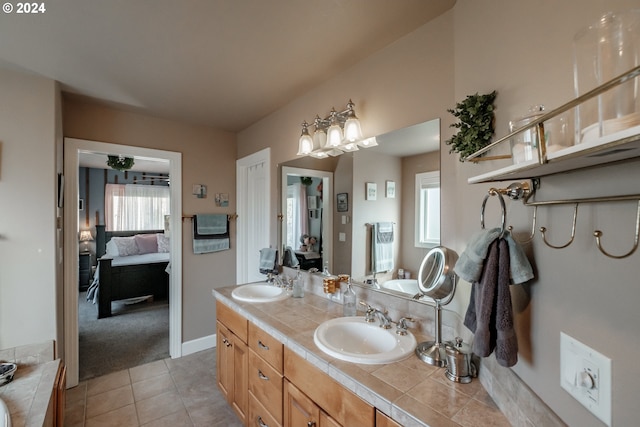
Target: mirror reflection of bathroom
point(305, 228)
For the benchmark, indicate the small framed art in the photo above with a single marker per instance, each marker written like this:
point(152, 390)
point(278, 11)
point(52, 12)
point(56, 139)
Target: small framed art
point(390, 189)
point(371, 191)
point(342, 202)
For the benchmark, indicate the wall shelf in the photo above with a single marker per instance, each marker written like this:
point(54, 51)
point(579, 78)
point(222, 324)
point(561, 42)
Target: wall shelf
point(622, 145)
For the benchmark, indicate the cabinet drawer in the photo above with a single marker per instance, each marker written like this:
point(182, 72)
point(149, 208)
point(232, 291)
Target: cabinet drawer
point(266, 346)
point(265, 383)
point(258, 414)
point(340, 403)
point(232, 320)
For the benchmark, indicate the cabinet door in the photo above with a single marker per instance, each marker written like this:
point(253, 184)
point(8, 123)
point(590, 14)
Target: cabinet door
point(240, 400)
point(299, 410)
point(384, 421)
point(224, 361)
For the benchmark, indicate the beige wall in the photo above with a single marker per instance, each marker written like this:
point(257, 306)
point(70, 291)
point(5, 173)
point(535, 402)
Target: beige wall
point(208, 157)
point(30, 263)
point(522, 50)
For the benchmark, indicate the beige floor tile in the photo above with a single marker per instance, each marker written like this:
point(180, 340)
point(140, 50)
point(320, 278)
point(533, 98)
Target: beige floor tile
point(108, 382)
point(74, 413)
point(109, 400)
point(152, 387)
point(77, 393)
point(148, 370)
point(122, 417)
point(159, 406)
point(180, 418)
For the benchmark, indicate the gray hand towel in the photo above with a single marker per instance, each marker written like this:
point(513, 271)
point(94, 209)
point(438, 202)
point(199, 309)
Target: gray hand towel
point(506, 343)
point(519, 265)
point(485, 331)
point(469, 265)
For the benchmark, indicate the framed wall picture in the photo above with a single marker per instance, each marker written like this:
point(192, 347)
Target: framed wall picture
point(342, 202)
point(371, 192)
point(81, 204)
point(390, 189)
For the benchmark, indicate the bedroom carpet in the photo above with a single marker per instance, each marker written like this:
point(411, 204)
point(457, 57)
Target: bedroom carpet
point(136, 334)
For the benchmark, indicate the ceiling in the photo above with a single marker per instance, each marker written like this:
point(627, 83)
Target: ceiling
point(220, 63)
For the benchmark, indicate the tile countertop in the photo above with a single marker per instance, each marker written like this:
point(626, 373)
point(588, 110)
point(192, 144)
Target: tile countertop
point(410, 391)
point(28, 396)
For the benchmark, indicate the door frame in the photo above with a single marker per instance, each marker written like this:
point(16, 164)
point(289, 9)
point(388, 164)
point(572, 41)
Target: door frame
point(72, 149)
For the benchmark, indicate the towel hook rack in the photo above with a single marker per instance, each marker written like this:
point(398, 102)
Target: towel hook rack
point(533, 229)
point(494, 192)
point(543, 230)
point(597, 234)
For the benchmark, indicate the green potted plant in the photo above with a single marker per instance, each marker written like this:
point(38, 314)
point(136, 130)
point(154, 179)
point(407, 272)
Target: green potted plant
point(476, 124)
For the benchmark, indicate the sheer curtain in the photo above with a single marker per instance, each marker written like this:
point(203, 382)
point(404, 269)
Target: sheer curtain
point(297, 215)
point(135, 207)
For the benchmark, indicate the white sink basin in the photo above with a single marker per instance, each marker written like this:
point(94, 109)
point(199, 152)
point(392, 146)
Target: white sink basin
point(406, 286)
point(353, 340)
point(259, 292)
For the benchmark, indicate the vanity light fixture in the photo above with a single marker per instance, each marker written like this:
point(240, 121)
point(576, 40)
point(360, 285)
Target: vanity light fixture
point(337, 133)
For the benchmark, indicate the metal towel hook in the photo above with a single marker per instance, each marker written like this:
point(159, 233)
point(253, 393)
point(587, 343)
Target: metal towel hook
point(494, 192)
point(533, 229)
point(573, 231)
point(598, 234)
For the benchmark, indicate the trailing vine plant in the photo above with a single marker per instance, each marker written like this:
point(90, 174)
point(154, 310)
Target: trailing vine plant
point(476, 124)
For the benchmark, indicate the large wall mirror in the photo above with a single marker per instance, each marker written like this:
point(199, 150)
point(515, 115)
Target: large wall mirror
point(404, 171)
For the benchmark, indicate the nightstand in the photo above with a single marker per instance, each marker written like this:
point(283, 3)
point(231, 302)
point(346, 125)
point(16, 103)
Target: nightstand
point(84, 270)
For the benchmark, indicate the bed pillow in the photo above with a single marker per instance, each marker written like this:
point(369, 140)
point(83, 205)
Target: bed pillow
point(147, 243)
point(112, 249)
point(163, 242)
point(126, 245)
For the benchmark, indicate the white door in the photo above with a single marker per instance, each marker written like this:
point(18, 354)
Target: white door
point(254, 210)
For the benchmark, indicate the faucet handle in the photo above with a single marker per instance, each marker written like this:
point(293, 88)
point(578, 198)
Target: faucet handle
point(402, 325)
point(369, 314)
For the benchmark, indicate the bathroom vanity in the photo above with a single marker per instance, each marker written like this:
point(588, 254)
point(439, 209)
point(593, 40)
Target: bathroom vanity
point(273, 374)
point(36, 396)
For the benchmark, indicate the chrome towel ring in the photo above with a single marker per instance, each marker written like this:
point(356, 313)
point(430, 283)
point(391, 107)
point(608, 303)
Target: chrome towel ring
point(503, 221)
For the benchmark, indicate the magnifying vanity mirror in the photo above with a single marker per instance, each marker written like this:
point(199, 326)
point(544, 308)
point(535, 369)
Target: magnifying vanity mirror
point(338, 213)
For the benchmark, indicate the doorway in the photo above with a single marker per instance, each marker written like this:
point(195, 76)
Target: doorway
point(72, 149)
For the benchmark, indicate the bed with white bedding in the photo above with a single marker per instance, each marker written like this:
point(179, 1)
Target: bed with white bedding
point(131, 264)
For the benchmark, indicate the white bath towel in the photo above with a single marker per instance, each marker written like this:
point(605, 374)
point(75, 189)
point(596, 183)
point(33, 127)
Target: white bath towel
point(382, 247)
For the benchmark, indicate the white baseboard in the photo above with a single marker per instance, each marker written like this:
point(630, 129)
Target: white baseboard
point(198, 344)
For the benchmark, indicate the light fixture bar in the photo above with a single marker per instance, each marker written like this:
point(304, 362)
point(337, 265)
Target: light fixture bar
point(335, 134)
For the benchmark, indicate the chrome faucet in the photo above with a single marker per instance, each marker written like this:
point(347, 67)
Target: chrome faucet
point(371, 313)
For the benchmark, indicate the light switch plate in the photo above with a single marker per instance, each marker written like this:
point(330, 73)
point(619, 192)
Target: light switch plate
point(586, 375)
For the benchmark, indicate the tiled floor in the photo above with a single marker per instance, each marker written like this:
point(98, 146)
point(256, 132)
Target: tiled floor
point(169, 392)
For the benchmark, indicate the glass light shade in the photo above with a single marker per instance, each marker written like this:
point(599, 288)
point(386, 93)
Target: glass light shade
point(352, 130)
point(369, 142)
point(349, 146)
point(321, 154)
point(305, 145)
point(319, 138)
point(334, 136)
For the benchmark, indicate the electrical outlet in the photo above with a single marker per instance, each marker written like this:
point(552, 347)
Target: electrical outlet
point(586, 375)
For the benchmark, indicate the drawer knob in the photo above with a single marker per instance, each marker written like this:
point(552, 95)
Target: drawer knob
point(260, 423)
point(262, 346)
point(262, 376)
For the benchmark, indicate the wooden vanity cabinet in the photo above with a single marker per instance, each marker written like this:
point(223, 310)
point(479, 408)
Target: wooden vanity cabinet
point(383, 420)
point(265, 378)
point(232, 355)
point(309, 392)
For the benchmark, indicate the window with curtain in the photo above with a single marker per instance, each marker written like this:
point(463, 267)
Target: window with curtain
point(132, 207)
point(427, 209)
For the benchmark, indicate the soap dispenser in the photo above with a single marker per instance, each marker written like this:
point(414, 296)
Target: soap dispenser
point(349, 301)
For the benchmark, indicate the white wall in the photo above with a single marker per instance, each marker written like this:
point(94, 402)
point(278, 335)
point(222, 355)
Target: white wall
point(28, 258)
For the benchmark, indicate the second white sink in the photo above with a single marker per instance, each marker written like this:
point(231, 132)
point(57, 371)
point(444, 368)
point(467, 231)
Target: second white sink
point(259, 292)
point(353, 340)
